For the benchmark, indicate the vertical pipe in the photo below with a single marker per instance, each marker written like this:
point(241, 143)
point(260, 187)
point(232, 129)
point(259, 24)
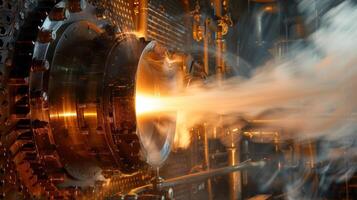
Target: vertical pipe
point(143, 18)
point(234, 177)
point(219, 41)
point(206, 47)
point(207, 161)
point(218, 8)
point(220, 66)
point(312, 154)
point(245, 149)
point(266, 9)
point(235, 187)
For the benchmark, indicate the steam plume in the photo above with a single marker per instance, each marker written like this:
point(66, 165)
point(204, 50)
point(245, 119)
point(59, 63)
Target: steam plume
point(314, 88)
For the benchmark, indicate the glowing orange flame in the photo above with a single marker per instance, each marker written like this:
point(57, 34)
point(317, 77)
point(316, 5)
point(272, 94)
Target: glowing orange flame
point(146, 104)
point(149, 106)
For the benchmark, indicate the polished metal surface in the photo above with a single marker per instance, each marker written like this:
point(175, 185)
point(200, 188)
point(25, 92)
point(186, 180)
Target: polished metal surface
point(77, 78)
point(73, 92)
point(78, 105)
point(155, 78)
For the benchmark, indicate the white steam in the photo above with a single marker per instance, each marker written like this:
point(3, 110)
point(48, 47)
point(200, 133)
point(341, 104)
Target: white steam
point(312, 93)
point(315, 90)
point(315, 87)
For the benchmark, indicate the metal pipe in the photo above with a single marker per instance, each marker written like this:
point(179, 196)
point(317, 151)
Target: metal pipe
point(206, 46)
point(235, 187)
point(220, 43)
point(143, 18)
point(220, 65)
point(210, 173)
point(186, 179)
point(140, 189)
point(217, 8)
point(272, 9)
point(207, 162)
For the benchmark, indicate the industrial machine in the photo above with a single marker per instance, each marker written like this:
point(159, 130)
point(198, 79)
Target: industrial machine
point(74, 78)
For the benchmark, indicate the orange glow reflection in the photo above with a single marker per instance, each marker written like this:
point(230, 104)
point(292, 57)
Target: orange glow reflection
point(90, 114)
point(145, 104)
point(64, 114)
point(73, 114)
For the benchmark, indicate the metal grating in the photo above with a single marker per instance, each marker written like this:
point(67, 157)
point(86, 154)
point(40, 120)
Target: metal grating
point(165, 19)
point(119, 12)
point(165, 23)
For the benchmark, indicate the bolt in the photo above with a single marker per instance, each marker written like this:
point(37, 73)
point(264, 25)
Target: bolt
point(40, 65)
point(57, 14)
point(44, 36)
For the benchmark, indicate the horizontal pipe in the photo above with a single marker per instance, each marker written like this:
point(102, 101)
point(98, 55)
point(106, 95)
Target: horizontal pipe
point(190, 178)
point(140, 189)
point(210, 173)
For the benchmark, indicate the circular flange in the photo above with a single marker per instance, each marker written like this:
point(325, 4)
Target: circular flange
point(119, 101)
point(155, 78)
point(62, 31)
